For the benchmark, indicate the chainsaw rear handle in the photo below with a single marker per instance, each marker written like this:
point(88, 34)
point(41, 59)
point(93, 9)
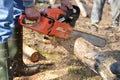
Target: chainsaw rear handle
point(21, 18)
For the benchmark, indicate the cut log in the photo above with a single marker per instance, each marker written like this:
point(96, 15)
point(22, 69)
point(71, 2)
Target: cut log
point(90, 55)
point(32, 54)
point(96, 60)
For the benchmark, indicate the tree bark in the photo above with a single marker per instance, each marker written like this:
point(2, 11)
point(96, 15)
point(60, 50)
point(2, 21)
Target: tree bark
point(94, 58)
point(90, 55)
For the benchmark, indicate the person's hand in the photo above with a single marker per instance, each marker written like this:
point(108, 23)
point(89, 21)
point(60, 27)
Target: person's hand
point(32, 13)
point(65, 5)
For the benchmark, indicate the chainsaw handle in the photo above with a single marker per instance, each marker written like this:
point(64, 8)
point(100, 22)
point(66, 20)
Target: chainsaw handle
point(71, 16)
point(69, 13)
point(21, 19)
point(75, 15)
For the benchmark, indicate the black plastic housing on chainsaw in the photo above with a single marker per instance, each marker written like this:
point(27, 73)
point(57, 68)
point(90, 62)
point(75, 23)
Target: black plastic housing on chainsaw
point(71, 16)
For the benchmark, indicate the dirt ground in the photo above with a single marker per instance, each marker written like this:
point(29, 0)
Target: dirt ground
point(61, 64)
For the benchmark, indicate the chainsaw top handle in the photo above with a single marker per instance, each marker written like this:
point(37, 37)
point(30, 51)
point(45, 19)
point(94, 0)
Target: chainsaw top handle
point(71, 16)
point(75, 15)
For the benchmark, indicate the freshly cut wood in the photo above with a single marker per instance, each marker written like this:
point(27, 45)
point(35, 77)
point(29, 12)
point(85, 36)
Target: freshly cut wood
point(31, 53)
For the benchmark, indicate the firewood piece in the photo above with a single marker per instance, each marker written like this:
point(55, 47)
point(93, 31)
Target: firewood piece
point(32, 54)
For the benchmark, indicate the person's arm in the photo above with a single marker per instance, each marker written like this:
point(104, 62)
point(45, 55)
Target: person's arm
point(31, 12)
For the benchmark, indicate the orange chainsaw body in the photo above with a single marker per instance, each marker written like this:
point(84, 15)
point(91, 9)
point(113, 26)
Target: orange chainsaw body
point(49, 23)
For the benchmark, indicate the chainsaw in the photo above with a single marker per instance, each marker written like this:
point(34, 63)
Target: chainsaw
point(56, 22)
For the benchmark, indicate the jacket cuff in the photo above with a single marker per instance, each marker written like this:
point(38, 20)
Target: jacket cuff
point(28, 3)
